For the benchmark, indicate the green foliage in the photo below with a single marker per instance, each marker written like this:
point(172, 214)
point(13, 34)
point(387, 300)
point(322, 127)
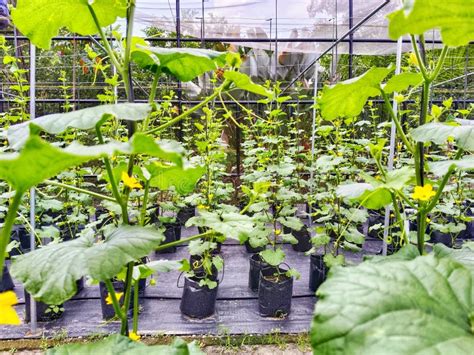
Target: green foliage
point(462, 131)
point(454, 18)
point(273, 257)
point(184, 64)
point(58, 266)
point(367, 309)
point(243, 81)
point(84, 119)
point(347, 99)
point(117, 344)
point(41, 20)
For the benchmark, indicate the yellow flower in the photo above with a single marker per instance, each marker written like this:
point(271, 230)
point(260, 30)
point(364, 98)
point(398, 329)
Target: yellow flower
point(7, 312)
point(428, 220)
point(134, 336)
point(130, 181)
point(423, 193)
point(413, 60)
point(108, 299)
point(277, 231)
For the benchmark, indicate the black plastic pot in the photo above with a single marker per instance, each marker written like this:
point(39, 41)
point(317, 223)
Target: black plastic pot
point(317, 271)
point(172, 234)
point(443, 238)
point(256, 265)
point(197, 301)
point(375, 218)
point(6, 283)
point(79, 285)
point(274, 295)
point(251, 249)
point(44, 312)
point(21, 234)
point(198, 269)
point(303, 236)
point(185, 214)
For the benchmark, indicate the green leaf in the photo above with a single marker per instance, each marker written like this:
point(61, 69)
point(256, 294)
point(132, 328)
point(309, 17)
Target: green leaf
point(347, 99)
point(41, 20)
point(39, 161)
point(440, 168)
point(462, 131)
point(291, 222)
point(453, 18)
point(229, 224)
point(370, 308)
point(184, 64)
point(84, 119)
point(118, 344)
point(243, 81)
point(182, 179)
point(403, 81)
point(168, 150)
point(143, 271)
point(58, 266)
point(273, 257)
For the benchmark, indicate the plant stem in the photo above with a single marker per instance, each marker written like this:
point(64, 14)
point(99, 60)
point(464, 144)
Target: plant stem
point(111, 176)
point(144, 203)
point(108, 48)
point(78, 189)
point(421, 63)
point(8, 225)
point(115, 302)
point(126, 300)
point(182, 241)
point(397, 123)
point(190, 111)
point(135, 307)
point(440, 63)
point(396, 209)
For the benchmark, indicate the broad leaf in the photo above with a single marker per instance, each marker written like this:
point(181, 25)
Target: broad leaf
point(41, 20)
point(243, 81)
point(403, 81)
point(347, 99)
point(39, 161)
point(118, 344)
point(462, 131)
point(184, 64)
point(183, 180)
point(84, 119)
point(273, 257)
point(229, 224)
point(397, 307)
point(453, 18)
point(143, 271)
point(58, 266)
point(440, 168)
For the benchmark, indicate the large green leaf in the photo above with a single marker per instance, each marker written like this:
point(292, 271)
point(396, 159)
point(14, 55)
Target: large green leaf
point(439, 168)
point(183, 180)
point(422, 306)
point(118, 344)
point(49, 274)
point(243, 81)
point(39, 160)
point(273, 257)
point(41, 20)
point(462, 131)
point(230, 224)
point(403, 81)
point(84, 119)
point(453, 17)
point(347, 99)
point(185, 64)
point(375, 194)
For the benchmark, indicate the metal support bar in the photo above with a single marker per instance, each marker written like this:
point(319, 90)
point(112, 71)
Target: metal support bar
point(33, 315)
point(313, 138)
point(391, 156)
point(351, 36)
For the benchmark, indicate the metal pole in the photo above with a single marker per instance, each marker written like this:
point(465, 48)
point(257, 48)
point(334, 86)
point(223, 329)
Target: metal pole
point(33, 318)
point(355, 28)
point(179, 85)
point(276, 40)
point(351, 36)
point(393, 136)
point(313, 138)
